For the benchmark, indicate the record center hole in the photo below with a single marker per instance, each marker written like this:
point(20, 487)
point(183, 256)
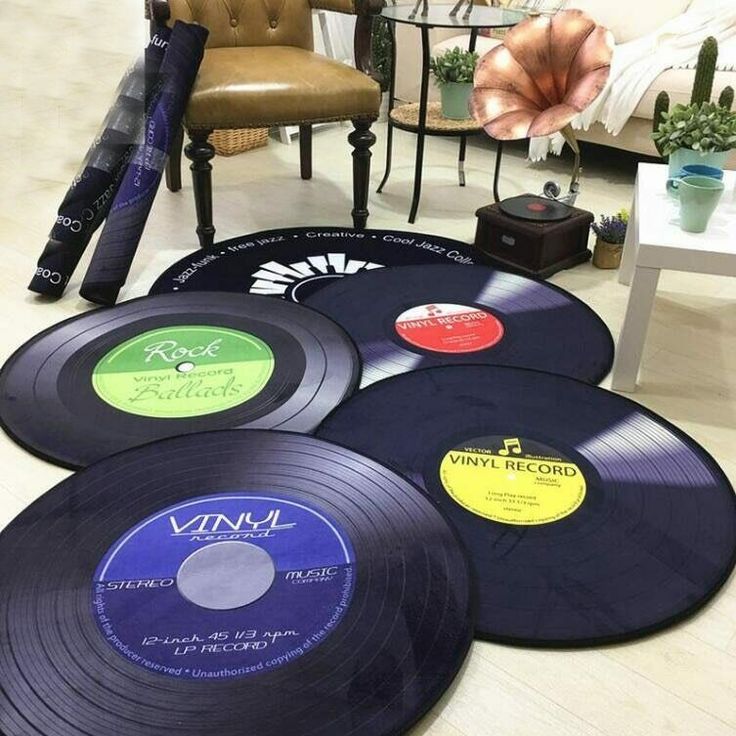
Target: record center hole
point(186, 367)
point(226, 575)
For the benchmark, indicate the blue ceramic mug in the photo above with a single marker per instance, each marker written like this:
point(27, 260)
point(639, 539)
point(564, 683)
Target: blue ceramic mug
point(692, 170)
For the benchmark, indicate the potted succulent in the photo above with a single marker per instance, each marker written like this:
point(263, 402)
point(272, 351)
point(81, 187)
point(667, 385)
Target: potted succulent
point(610, 235)
point(699, 133)
point(453, 73)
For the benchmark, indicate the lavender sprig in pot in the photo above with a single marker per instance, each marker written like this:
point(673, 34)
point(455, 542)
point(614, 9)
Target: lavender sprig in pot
point(610, 236)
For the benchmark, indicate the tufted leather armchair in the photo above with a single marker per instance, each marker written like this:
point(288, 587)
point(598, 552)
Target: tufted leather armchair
point(260, 70)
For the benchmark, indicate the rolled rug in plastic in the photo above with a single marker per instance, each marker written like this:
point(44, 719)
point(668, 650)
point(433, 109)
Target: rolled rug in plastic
point(118, 242)
point(90, 196)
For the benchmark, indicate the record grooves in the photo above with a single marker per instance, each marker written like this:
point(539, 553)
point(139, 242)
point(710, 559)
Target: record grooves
point(412, 317)
point(173, 364)
point(588, 518)
point(354, 615)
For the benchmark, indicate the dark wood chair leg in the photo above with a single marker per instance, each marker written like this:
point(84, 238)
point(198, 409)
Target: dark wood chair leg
point(361, 139)
point(200, 152)
point(305, 150)
point(173, 165)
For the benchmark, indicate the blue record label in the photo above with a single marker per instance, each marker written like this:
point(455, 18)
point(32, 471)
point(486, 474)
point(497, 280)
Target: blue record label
point(224, 586)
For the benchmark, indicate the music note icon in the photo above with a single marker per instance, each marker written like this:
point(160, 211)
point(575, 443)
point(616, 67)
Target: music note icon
point(512, 445)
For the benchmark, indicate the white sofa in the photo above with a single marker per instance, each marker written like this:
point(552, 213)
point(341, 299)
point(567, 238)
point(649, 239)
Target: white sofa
point(627, 19)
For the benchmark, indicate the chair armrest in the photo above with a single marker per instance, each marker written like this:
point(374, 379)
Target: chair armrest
point(367, 11)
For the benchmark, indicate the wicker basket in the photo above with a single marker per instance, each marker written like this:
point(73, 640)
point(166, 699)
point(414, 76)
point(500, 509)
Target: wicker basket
point(607, 255)
point(232, 142)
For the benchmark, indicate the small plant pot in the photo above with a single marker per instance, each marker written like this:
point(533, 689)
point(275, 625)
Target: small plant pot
point(685, 157)
point(455, 97)
point(607, 255)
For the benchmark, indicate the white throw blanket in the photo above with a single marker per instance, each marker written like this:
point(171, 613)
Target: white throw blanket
point(638, 63)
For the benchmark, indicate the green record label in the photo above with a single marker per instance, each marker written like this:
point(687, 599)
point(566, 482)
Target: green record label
point(183, 371)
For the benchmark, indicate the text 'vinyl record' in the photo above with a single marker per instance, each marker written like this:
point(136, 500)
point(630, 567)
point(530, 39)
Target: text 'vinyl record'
point(173, 364)
point(235, 582)
point(588, 518)
point(412, 317)
point(293, 264)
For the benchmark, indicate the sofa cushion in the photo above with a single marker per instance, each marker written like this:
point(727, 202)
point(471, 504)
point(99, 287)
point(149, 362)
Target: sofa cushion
point(626, 19)
point(678, 83)
point(630, 19)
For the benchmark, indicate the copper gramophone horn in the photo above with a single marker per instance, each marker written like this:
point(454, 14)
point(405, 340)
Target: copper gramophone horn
point(544, 74)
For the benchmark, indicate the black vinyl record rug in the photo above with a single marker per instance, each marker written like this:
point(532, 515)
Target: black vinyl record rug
point(240, 583)
point(412, 317)
point(588, 518)
point(173, 364)
point(295, 263)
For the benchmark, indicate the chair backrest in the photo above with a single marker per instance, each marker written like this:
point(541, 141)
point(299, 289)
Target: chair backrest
point(249, 22)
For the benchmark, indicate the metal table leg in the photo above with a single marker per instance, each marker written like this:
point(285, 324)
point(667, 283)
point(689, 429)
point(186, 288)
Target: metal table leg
point(461, 161)
point(422, 126)
point(497, 171)
point(464, 139)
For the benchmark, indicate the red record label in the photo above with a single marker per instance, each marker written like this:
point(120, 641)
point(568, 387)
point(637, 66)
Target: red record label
point(449, 328)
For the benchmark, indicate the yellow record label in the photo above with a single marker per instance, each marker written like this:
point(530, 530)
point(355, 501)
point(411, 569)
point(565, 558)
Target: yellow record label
point(513, 480)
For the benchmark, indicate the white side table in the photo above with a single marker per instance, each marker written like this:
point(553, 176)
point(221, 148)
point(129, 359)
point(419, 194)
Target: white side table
point(654, 242)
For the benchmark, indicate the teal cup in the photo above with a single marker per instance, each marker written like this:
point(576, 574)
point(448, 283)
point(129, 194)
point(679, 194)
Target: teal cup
point(673, 183)
point(699, 196)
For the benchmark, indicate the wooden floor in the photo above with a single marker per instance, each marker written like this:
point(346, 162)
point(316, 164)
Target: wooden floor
point(61, 61)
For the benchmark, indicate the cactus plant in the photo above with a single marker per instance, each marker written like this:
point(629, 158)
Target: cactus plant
point(661, 108)
point(726, 98)
point(702, 89)
point(705, 72)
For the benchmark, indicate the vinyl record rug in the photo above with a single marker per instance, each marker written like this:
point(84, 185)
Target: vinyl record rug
point(588, 518)
point(173, 364)
point(295, 263)
point(412, 317)
point(240, 583)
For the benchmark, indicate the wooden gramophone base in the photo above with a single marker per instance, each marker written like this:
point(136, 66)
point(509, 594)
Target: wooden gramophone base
point(537, 249)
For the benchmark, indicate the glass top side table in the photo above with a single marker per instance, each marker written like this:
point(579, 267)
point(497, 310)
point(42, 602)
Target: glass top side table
point(422, 118)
